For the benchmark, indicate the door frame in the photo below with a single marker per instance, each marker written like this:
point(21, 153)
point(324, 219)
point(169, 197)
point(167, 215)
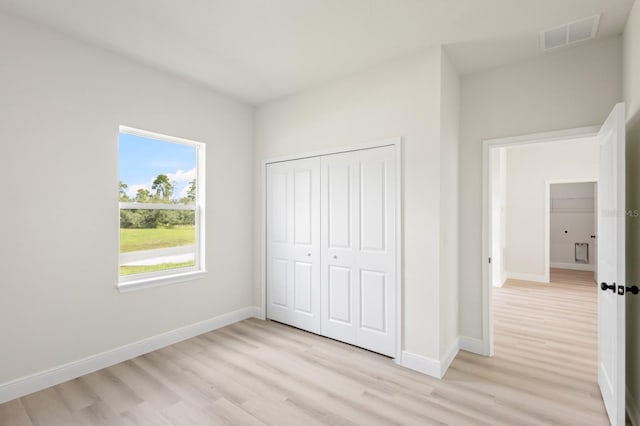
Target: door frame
point(396, 142)
point(487, 146)
point(547, 218)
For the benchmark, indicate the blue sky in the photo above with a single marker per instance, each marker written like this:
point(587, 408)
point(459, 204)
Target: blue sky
point(142, 159)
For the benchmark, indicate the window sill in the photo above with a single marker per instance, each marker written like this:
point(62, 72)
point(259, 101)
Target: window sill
point(143, 283)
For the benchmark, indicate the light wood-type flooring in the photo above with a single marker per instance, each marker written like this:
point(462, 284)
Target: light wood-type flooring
point(256, 372)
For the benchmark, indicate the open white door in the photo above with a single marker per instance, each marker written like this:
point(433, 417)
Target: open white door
point(611, 265)
point(594, 242)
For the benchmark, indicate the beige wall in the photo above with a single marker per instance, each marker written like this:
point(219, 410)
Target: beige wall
point(529, 167)
point(449, 143)
point(61, 104)
point(631, 78)
point(566, 89)
point(401, 98)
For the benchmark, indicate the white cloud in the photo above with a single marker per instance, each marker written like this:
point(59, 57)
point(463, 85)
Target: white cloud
point(132, 190)
point(182, 176)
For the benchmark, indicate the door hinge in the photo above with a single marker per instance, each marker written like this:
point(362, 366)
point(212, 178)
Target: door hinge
point(489, 259)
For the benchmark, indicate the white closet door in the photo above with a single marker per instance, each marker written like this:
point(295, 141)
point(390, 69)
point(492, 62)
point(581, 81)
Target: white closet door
point(293, 243)
point(358, 259)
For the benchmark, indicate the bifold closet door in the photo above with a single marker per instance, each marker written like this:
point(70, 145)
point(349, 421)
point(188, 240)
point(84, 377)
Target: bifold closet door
point(358, 259)
point(293, 243)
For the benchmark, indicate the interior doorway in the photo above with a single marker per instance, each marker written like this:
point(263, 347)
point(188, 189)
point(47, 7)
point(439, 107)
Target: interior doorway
point(611, 207)
point(521, 178)
point(515, 226)
point(572, 225)
point(544, 301)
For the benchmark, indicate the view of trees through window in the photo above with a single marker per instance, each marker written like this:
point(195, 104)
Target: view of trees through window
point(158, 201)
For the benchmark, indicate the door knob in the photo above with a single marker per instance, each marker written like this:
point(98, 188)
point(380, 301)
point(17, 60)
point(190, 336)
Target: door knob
point(308, 254)
point(633, 289)
point(606, 287)
point(335, 257)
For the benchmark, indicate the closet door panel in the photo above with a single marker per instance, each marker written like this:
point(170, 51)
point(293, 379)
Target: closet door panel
point(293, 239)
point(303, 290)
point(376, 258)
point(373, 205)
point(358, 219)
point(278, 242)
point(339, 204)
point(338, 280)
point(373, 300)
point(280, 282)
point(302, 207)
point(339, 300)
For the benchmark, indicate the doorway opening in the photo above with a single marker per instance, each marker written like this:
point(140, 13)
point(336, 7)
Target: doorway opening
point(517, 175)
point(541, 216)
point(610, 307)
point(572, 225)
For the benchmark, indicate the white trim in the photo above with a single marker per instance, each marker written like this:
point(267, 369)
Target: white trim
point(449, 356)
point(51, 377)
point(487, 146)
point(553, 136)
point(158, 136)
point(469, 344)
point(431, 367)
point(573, 266)
point(397, 142)
point(259, 313)
point(399, 245)
point(421, 364)
point(632, 408)
point(527, 277)
point(157, 281)
point(155, 206)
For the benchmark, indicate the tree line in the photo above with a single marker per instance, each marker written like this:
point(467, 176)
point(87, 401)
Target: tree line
point(161, 192)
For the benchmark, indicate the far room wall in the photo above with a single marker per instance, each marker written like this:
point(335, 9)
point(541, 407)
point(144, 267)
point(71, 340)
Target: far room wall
point(572, 220)
point(529, 168)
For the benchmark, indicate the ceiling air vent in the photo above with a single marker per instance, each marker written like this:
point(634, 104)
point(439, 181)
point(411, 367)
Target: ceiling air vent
point(568, 34)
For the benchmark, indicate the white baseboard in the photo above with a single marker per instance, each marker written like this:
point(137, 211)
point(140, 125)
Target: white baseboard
point(573, 266)
point(431, 367)
point(527, 277)
point(44, 379)
point(632, 408)
point(422, 364)
point(472, 345)
point(259, 313)
point(449, 356)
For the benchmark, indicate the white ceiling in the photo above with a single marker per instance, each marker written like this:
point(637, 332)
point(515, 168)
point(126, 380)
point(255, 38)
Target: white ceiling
point(258, 50)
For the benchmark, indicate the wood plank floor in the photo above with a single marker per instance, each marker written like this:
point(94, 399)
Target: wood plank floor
point(255, 372)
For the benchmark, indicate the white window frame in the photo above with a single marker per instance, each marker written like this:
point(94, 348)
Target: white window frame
point(170, 276)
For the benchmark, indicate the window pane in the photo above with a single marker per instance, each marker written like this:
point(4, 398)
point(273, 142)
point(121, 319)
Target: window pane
point(159, 171)
point(155, 240)
point(156, 171)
